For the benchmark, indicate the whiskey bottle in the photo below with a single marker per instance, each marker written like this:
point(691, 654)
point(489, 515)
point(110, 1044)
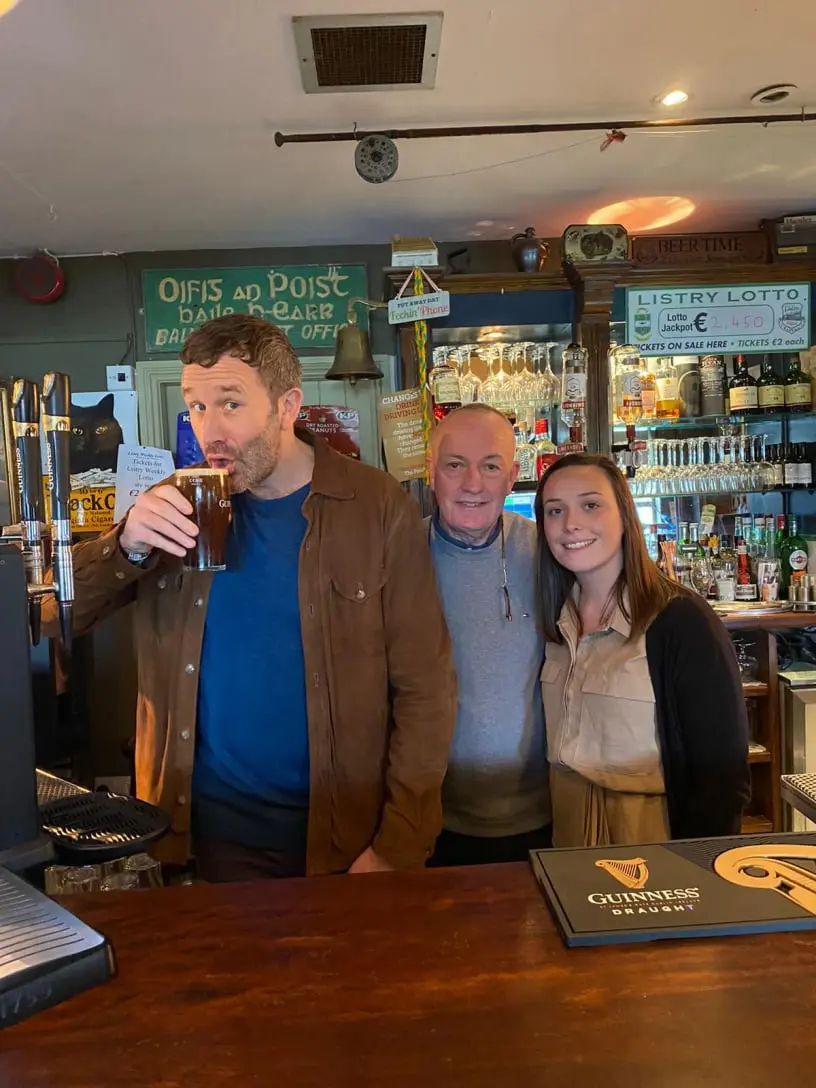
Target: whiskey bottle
point(666, 385)
point(444, 384)
point(648, 392)
point(525, 457)
point(770, 390)
point(742, 390)
point(712, 385)
point(798, 390)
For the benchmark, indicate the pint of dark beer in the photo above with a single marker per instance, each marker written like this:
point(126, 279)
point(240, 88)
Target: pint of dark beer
point(208, 491)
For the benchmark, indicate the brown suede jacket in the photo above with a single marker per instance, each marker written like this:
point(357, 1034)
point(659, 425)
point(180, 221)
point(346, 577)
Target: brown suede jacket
point(381, 695)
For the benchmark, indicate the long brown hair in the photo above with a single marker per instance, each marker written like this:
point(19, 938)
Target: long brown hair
point(641, 590)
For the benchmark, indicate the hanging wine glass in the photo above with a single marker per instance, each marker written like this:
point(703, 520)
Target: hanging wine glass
point(526, 388)
point(548, 387)
point(469, 383)
point(496, 389)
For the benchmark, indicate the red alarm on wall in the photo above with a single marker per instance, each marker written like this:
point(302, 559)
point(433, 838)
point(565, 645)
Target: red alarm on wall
point(39, 278)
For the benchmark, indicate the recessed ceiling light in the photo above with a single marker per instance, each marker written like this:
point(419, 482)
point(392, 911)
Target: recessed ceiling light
point(643, 213)
point(486, 223)
point(474, 234)
point(773, 95)
point(673, 98)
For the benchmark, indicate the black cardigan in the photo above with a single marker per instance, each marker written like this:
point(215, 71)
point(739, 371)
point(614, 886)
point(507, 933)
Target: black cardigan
point(702, 723)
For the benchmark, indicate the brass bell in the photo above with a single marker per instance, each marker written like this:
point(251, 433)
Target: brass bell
point(352, 357)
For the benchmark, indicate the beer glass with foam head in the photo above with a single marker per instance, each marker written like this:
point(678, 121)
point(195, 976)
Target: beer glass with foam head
point(208, 491)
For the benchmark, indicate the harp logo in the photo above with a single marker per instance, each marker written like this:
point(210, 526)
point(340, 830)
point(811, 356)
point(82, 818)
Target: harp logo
point(632, 874)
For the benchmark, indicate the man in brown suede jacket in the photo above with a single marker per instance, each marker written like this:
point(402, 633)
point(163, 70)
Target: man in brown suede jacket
point(295, 710)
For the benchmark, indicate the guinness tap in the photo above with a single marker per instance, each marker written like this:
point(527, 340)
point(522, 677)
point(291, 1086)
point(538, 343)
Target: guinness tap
point(57, 427)
point(26, 429)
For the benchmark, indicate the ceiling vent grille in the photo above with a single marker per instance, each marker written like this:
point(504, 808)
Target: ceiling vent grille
point(368, 52)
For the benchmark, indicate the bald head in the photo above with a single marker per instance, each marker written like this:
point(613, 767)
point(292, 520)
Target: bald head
point(472, 470)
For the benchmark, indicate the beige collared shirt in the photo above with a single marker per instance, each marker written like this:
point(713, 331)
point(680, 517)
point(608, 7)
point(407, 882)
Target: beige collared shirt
point(606, 772)
point(600, 706)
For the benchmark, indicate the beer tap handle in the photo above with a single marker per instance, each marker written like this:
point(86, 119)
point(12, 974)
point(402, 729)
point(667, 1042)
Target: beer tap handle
point(25, 402)
point(57, 426)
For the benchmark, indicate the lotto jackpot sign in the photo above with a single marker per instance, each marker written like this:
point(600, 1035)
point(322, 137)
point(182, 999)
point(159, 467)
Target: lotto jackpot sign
point(756, 317)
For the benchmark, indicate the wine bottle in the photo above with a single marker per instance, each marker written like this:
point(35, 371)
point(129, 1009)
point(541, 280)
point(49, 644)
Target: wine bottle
point(798, 391)
point(770, 390)
point(791, 474)
point(742, 390)
point(806, 464)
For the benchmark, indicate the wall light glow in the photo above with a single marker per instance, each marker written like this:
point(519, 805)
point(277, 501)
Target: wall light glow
point(643, 213)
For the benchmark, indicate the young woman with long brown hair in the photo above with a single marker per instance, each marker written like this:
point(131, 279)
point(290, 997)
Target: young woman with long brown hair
point(646, 726)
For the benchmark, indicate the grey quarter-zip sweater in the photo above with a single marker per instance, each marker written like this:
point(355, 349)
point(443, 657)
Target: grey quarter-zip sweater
point(497, 782)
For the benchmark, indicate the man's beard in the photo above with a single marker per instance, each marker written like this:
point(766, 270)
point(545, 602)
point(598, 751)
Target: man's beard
point(256, 460)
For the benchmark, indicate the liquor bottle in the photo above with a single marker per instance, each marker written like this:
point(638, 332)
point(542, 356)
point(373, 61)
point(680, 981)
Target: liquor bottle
point(790, 467)
point(793, 555)
point(746, 589)
point(546, 453)
point(727, 553)
point(695, 547)
point(648, 392)
point(444, 384)
point(525, 457)
point(798, 390)
point(628, 393)
point(742, 390)
point(712, 385)
point(574, 391)
point(770, 390)
point(666, 390)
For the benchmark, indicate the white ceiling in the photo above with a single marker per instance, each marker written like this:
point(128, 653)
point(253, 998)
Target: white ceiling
point(148, 124)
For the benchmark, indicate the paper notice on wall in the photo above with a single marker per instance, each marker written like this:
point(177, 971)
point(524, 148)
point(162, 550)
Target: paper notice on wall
point(402, 436)
point(138, 469)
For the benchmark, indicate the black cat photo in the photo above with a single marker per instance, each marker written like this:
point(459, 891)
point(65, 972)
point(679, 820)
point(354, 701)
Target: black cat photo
point(96, 436)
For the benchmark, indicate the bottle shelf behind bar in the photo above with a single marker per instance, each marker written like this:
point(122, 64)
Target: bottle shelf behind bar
point(715, 423)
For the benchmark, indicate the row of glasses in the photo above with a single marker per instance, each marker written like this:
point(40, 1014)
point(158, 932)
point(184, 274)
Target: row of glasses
point(121, 874)
point(519, 377)
point(692, 466)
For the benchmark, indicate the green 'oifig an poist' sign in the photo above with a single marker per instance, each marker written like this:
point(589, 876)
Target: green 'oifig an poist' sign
point(309, 302)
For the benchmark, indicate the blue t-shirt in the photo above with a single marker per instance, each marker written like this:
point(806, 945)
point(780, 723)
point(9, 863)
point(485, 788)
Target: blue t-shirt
point(251, 780)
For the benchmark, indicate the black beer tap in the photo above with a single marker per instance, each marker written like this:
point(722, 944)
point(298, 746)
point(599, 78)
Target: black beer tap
point(57, 427)
point(26, 428)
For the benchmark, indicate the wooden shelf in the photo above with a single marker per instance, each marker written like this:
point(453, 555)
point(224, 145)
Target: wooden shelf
point(756, 825)
point(757, 755)
point(754, 690)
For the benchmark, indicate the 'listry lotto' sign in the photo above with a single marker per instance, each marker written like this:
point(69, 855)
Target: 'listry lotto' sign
point(756, 317)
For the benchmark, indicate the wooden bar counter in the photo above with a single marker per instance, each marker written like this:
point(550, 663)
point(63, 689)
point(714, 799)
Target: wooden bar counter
point(448, 977)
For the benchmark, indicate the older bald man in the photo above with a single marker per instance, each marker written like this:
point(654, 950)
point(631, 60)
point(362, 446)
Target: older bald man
point(496, 801)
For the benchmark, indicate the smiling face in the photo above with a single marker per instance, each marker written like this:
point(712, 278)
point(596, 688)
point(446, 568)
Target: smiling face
point(472, 472)
point(582, 522)
point(236, 424)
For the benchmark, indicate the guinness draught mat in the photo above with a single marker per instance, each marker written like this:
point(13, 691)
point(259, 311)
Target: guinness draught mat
point(687, 888)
